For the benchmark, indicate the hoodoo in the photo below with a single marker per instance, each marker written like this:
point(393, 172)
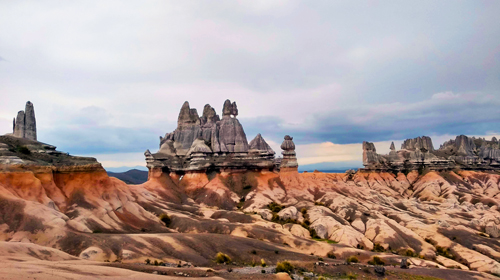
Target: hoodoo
point(25, 123)
point(464, 152)
point(210, 143)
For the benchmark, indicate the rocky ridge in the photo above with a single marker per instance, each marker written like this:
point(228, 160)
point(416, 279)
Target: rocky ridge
point(463, 152)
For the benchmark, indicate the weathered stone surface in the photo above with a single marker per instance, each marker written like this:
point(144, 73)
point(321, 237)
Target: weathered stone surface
point(227, 108)
point(259, 144)
point(19, 127)
point(492, 229)
point(297, 230)
point(423, 142)
point(290, 212)
point(29, 122)
point(289, 161)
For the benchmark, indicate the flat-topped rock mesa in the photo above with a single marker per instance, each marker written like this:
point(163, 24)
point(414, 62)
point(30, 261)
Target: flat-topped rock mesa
point(210, 143)
point(464, 152)
point(24, 125)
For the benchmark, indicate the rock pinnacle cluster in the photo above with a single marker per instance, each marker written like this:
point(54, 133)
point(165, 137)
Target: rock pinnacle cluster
point(24, 125)
point(210, 142)
point(468, 153)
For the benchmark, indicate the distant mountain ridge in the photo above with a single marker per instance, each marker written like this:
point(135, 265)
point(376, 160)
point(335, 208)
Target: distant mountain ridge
point(133, 176)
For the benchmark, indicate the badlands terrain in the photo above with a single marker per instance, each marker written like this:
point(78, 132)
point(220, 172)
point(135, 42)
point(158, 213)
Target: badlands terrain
point(63, 217)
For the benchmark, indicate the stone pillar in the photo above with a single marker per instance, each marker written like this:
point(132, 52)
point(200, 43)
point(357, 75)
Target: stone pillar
point(29, 122)
point(289, 161)
point(19, 127)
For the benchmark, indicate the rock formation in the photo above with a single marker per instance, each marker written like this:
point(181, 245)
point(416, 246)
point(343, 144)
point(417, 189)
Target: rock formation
point(209, 142)
point(463, 152)
point(289, 161)
point(24, 125)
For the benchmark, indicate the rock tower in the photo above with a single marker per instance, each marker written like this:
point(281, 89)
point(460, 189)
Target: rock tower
point(24, 125)
point(210, 143)
point(289, 161)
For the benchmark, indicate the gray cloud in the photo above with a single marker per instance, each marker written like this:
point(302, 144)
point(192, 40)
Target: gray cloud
point(111, 80)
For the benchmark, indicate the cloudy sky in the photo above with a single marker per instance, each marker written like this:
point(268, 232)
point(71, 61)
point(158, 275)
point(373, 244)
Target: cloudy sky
point(108, 77)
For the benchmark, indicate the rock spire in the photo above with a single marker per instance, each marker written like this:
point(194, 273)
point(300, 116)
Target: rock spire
point(209, 142)
point(289, 161)
point(24, 125)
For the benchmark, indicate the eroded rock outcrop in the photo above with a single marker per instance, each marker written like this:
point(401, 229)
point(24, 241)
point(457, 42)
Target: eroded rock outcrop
point(210, 143)
point(24, 125)
point(419, 153)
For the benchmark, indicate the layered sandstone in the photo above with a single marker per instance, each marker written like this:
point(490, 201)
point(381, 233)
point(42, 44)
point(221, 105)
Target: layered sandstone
point(419, 153)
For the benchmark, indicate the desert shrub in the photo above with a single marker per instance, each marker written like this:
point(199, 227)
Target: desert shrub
point(351, 275)
point(275, 207)
point(148, 261)
point(23, 150)
point(313, 234)
point(319, 203)
point(359, 246)
point(376, 260)
point(165, 218)
point(263, 263)
point(320, 259)
point(303, 211)
point(331, 255)
point(253, 252)
point(410, 253)
point(156, 263)
point(444, 252)
point(97, 231)
point(222, 258)
point(253, 263)
point(321, 278)
point(284, 266)
point(352, 259)
point(263, 271)
point(378, 248)
point(276, 252)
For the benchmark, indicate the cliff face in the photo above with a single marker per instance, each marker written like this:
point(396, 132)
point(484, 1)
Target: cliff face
point(419, 153)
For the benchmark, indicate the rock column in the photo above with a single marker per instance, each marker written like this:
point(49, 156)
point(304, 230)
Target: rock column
point(25, 123)
point(29, 122)
point(289, 162)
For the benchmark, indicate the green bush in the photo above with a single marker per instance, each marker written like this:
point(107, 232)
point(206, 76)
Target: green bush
point(376, 260)
point(275, 207)
point(23, 150)
point(263, 263)
point(331, 255)
point(352, 259)
point(378, 248)
point(410, 253)
point(303, 211)
point(444, 252)
point(165, 219)
point(148, 261)
point(222, 258)
point(284, 266)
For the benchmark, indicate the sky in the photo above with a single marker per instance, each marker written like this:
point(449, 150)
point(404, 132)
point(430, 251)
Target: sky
point(107, 78)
